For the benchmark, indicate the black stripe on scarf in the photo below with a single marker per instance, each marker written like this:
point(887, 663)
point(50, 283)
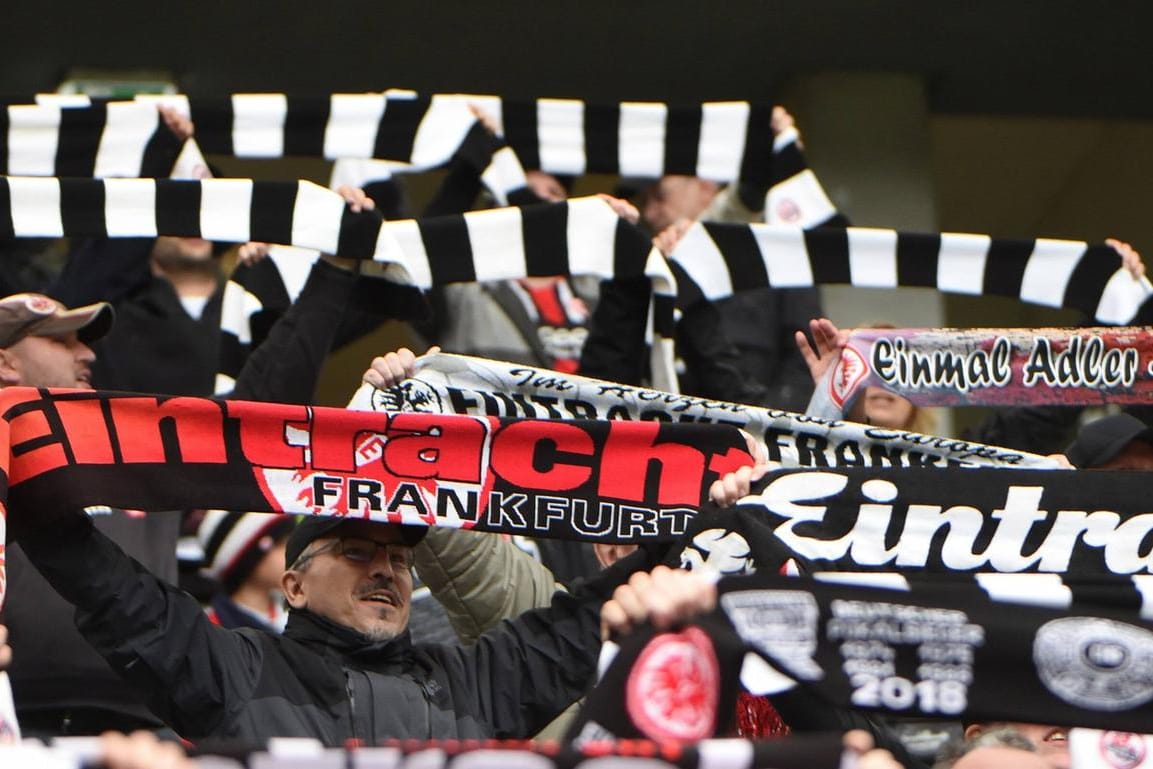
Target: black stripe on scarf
point(4, 125)
point(520, 131)
point(1005, 267)
point(398, 127)
point(602, 138)
point(358, 233)
point(213, 118)
point(1088, 279)
point(78, 140)
point(756, 165)
point(178, 208)
point(449, 249)
point(833, 244)
point(917, 256)
point(743, 257)
point(82, 207)
point(683, 140)
point(304, 126)
point(546, 246)
point(272, 211)
point(631, 248)
point(6, 228)
point(160, 152)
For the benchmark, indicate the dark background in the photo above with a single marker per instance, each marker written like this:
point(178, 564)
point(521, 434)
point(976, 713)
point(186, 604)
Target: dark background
point(1021, 57)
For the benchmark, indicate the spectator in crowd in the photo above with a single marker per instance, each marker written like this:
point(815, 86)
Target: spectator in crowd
point(1115, 442)
point(538, 321)
point(244, 554)
point(759, 322)
point(481, 580)
point(167, 292)
point(1001, 747)
point(60, 684)
point(1049, 743)
point(876, 405)
point(345, 667)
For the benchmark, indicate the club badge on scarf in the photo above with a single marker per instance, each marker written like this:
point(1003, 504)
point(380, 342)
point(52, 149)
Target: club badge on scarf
point(940, 654)
point(1079, 523)
point(678, 685)
point(992, 367)
point(1096, 749)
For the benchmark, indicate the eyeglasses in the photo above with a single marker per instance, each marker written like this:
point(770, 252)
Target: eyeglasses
point(362, 550)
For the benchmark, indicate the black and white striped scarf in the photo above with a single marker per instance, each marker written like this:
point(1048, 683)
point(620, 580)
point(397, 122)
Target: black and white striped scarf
point(581, 236)
point(81, 137)
point(114, 139)
point(719, 141)
point(577, 237)
point(712, 261)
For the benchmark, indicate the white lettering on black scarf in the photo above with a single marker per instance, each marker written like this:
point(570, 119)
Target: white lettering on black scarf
point(460, 384)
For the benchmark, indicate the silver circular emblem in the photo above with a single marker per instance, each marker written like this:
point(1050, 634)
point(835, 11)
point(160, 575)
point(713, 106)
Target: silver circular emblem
point(1095, 663)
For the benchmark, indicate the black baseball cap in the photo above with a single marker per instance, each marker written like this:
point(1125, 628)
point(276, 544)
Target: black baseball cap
point(1102, 440)
point(315, 527)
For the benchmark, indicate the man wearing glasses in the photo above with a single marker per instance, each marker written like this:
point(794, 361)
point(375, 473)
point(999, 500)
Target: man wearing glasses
point(345, 667)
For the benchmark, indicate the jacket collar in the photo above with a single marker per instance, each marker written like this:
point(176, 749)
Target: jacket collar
point(330, 638)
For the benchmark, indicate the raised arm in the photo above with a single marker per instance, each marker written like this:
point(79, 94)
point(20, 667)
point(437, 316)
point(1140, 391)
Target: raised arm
point(479, 578)
point(152, 634)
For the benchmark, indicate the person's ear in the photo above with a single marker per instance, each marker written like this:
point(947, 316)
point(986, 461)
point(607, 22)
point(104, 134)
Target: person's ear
point(9, 368)
point(972, 731)
point(609, 554)
point(292, 585)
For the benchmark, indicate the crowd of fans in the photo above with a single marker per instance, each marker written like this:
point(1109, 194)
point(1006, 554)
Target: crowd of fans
point(352, 630)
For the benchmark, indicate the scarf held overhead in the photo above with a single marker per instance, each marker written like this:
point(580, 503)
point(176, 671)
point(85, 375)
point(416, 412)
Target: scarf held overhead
point(720, 141)
point(1084, 524)
point(910, 653)
point(591, 480)
point(712, 261)
point(581, 236)
point(460, 384)
point(992, 367)
point(938, 654)
point(75, 136)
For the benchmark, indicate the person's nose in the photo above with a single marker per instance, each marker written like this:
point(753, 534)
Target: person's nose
point(382, 565)
point(83, 352)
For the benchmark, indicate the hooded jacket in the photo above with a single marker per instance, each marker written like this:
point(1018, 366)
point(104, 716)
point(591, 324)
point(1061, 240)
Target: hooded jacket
point(320, 679)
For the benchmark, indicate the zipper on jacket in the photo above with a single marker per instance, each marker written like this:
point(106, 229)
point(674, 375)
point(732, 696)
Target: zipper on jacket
point(426, 690)
point(348, 687)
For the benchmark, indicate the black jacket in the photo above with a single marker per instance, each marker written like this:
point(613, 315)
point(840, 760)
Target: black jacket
point(54, 669)
point(319, 679)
